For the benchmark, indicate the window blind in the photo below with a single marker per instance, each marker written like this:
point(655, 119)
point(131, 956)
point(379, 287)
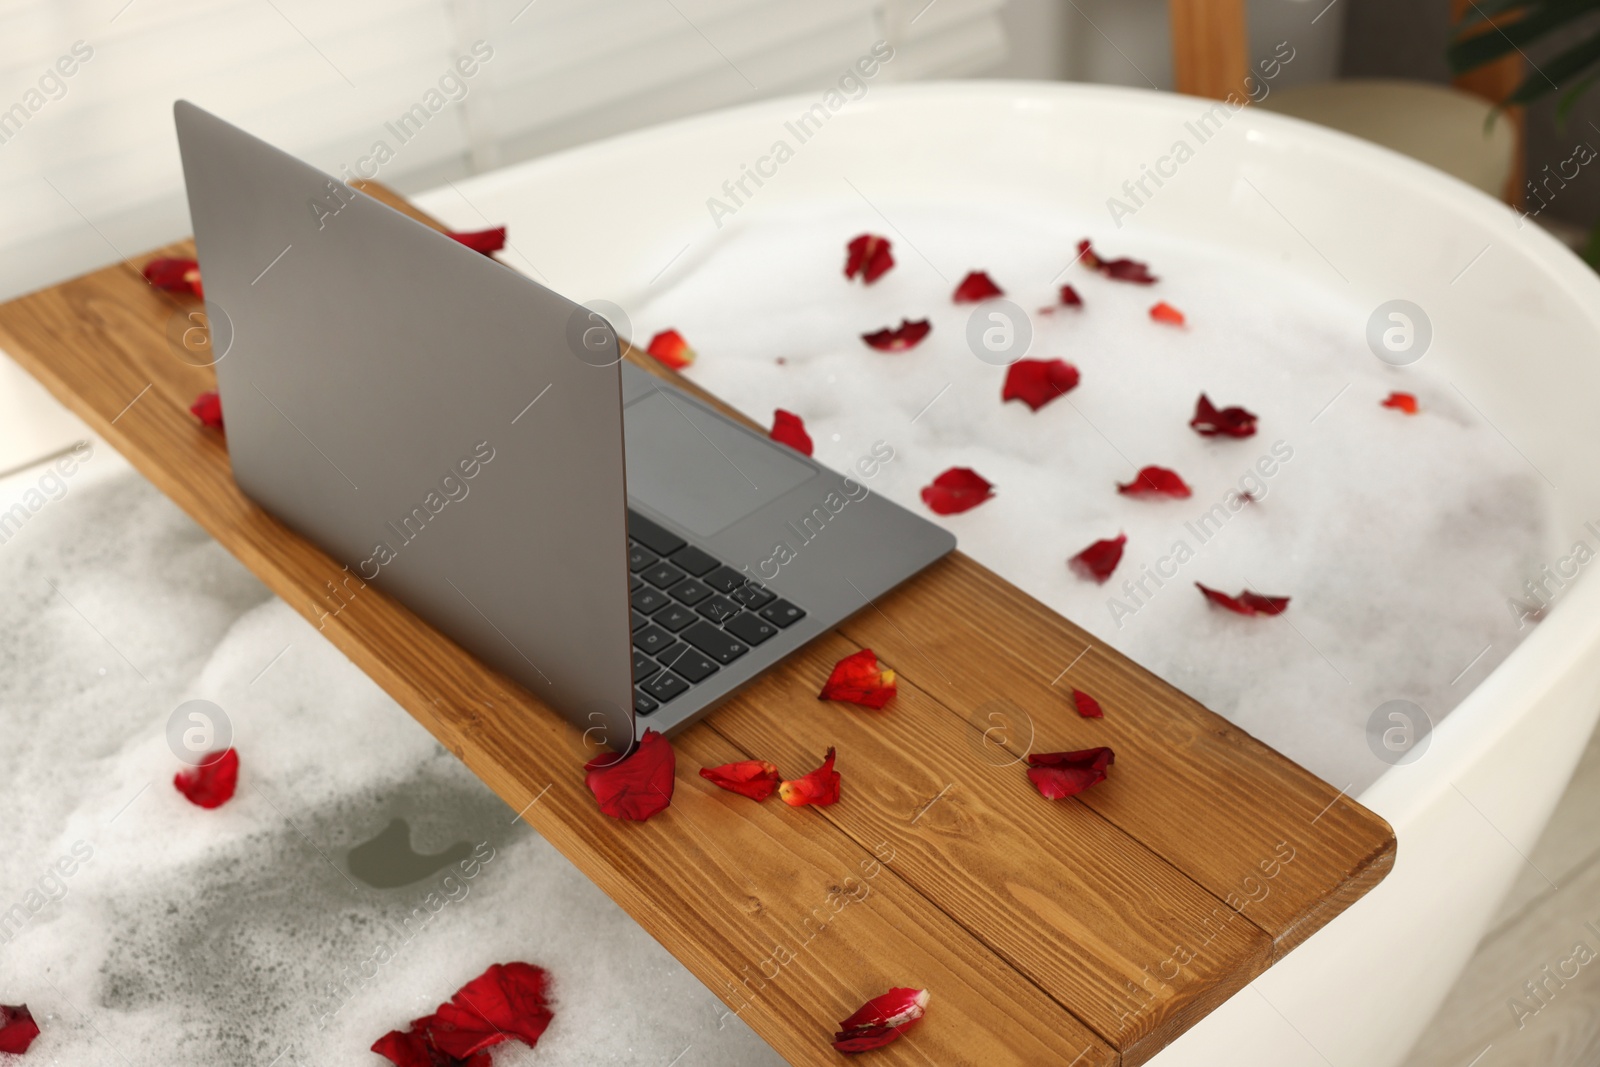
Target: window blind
point(89, 168)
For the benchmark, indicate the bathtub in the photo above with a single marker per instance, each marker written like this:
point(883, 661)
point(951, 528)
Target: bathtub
point(1516, 313)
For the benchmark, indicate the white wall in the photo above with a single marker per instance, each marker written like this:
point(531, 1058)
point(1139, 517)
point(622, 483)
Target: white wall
point(89, 170)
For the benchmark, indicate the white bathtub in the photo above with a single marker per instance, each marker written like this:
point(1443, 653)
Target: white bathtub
point(1518, 314)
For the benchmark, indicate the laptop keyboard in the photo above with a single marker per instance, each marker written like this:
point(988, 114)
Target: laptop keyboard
point(692, 614)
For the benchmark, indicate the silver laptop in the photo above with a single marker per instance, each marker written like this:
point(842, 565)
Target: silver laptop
point(472, 444)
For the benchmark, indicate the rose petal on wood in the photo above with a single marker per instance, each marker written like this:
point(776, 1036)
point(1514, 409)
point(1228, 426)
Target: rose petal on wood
point(638, 785)
point(1065, 774)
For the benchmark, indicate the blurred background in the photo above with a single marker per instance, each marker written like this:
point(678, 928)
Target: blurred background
point(89, 165)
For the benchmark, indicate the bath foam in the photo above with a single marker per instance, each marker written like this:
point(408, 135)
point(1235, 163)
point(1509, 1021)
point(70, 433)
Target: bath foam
point(1399, 538)
point(237, 935)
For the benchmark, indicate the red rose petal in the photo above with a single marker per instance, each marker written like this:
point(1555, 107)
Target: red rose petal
point(907, 335)
point(1264, 605)
point(1036, 382)
point(17, 1028)
point(638, 785)
point(484, 241)
point(211, 784)
point(1099, 559)
point(1230, 422)
point(1065, 774)
point(409, 1048)
point(1246, 603)
point(789, 429)
point(1405, 402)
point(509, 1000)
point(858, 679)
point(868, 256)
point(207, 407)
point(1122, 270)
point(671, 349)
point(1156, 481)
point(174, 275)
point(1070, 297)
point(956, 490)
point(1165, 312)
point(975, 287)
point(819, 787)
point(753, 778)
point(881, 1020)
point(1088, 707)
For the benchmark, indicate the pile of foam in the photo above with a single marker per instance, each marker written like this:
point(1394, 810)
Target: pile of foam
point(182, 935)
point(1399, 538)
point(214, 936)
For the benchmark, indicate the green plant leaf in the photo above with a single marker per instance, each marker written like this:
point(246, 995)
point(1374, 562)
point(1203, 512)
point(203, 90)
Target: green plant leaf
point(1571, 63)
point(1591, 253)
point(1475, 45)
point(1570, 97)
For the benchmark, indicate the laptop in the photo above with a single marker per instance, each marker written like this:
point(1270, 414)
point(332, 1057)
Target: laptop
point(472, 444)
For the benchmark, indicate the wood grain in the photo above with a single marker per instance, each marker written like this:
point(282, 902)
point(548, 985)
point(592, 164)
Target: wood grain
point(1210, 47)
point(1089, 931)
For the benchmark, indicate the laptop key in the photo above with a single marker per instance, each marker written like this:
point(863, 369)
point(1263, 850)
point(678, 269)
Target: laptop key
point(661, 542)
point(753, 629)
point(719, 609)
point(674, 617)
point(693, 665)
point(665, 686)
point(695, 561)
point(753, 596)
point(649, 600)
point(713, 642)
point(663, 574)
point(725, 579)
point(634, 582)
point(782, 613)
point(643, 666)
point(639, 558)
point(638, 619)
point(643, 705)
point(690, 591)
point(652, 639)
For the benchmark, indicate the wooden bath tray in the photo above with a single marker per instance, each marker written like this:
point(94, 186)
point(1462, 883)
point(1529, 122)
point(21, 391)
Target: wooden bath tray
point(1087, 931)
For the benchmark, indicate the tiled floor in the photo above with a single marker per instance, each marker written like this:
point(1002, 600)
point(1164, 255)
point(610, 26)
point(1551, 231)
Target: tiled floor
point(1494, 1017)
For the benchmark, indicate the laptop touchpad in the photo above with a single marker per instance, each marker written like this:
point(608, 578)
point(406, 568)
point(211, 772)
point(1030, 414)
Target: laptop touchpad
point(700, 470)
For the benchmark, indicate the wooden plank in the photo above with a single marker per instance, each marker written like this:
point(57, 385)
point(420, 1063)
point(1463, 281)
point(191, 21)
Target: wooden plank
point(1085, 911)
point(1210, 47)
point(1213, 801)
point(722, 885)
point(1093, 931)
